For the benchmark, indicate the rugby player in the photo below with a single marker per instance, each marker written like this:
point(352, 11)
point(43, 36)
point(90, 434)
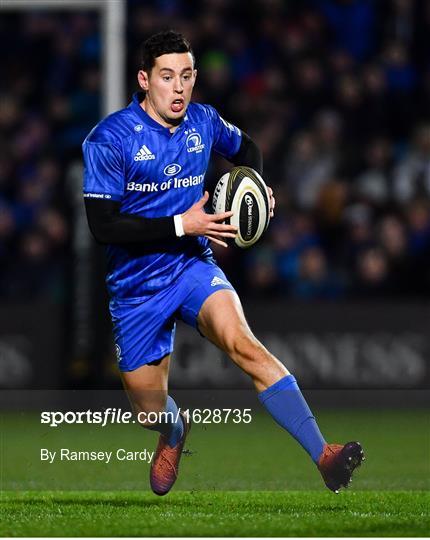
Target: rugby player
point(144, 192)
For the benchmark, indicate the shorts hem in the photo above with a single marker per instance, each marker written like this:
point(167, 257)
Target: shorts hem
point(149, 359)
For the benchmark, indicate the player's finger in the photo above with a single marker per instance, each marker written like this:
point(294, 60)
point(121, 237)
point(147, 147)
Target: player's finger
point(272, 201)
point(271, 197)
point(203, 200)
point(220, 217)
point(216, 240)
point(224, 234)
point(221, 227)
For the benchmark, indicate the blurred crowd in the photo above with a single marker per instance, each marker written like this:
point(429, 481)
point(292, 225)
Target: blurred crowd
point(335, 92)
point(49, 99)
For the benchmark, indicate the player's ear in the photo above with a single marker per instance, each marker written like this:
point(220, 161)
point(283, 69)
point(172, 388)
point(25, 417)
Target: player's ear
point(143, 79)
point(195, 74)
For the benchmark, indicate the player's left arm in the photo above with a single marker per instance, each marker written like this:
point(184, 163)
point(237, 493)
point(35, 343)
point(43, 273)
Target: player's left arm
point(237, 147)
point(250, 155)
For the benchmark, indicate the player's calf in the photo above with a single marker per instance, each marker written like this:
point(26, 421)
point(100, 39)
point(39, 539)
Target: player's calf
point(147, 405)
point(252, 357)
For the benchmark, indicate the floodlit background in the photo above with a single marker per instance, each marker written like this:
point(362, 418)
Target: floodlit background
point(336, 94)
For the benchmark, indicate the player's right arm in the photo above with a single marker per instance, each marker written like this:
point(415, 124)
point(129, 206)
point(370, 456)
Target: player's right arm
point(109, 226)
point(103, 191)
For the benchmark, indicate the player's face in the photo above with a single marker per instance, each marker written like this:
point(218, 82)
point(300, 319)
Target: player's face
point(168, 87)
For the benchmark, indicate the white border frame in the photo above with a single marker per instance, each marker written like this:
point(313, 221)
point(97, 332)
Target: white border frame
point(113, 15)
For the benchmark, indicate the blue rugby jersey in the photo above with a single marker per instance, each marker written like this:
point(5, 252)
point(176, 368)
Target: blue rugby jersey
point(132, 159)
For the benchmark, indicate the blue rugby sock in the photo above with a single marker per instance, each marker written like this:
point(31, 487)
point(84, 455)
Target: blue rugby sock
point(287, 406)
point(172, 429)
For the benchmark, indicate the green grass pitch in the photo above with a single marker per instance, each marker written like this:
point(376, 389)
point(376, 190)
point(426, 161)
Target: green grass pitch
point(238, 480)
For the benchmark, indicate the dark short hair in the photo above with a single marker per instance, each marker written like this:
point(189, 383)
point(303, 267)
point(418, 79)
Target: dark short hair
point(166, 42)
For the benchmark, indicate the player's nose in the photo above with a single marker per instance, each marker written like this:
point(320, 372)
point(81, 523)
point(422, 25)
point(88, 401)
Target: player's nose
point(178, 87)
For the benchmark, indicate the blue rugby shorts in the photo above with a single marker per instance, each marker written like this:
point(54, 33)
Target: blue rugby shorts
point(144, 328)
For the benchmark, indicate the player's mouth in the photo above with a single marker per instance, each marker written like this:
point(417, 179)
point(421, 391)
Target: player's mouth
point(177, 105)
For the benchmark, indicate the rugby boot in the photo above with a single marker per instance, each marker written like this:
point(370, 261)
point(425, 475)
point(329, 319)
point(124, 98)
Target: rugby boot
point(165, 465)
point(337, 463)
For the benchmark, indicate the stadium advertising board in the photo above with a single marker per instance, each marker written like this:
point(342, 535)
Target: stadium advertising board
point(30, 353)
point(325, 345)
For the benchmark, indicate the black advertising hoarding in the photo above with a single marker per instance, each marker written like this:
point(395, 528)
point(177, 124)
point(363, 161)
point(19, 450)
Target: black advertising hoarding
point(31, 345)
point(325, 345)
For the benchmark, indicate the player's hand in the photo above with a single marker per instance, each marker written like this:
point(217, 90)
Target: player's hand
point(197, 222)
point(272, 202)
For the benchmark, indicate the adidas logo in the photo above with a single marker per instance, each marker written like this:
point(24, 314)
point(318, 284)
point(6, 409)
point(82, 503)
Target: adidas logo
point(218, 281)
point(144, 154)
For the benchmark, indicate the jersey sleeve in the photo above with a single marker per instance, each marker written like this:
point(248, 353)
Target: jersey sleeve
point(227, 137)
point(103, 171)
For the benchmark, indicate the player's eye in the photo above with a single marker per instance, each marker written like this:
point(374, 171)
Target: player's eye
point(167, 78)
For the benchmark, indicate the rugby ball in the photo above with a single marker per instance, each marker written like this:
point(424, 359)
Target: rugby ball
point(243, 191)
